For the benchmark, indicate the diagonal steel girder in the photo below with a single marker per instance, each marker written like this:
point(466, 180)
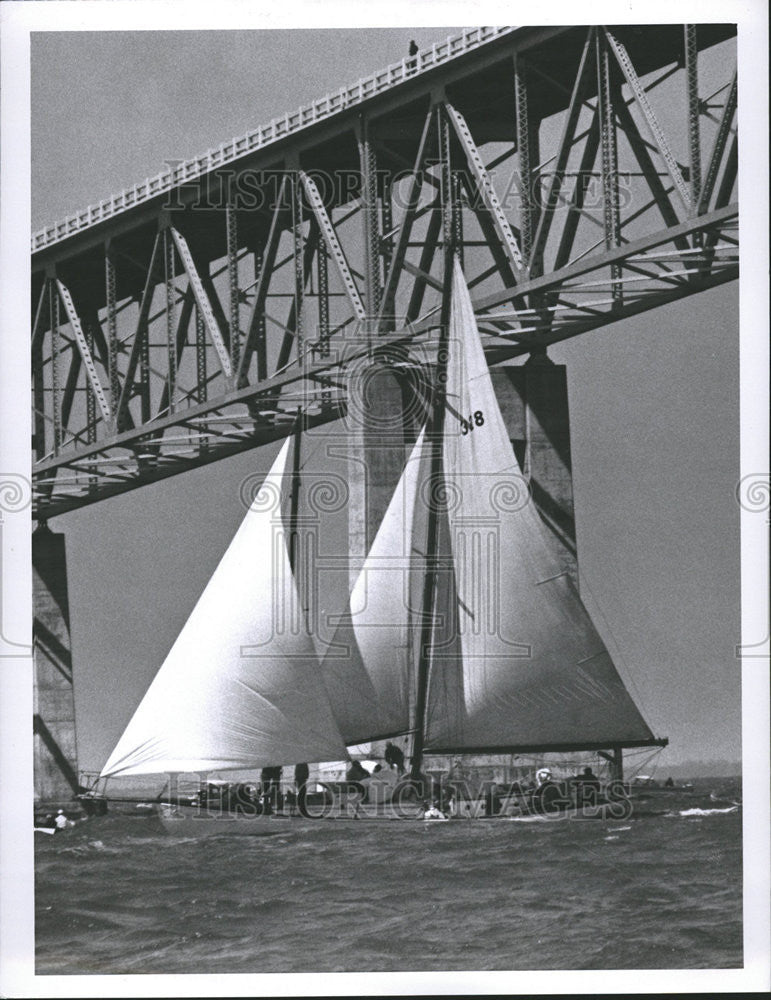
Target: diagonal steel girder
point(140, 337)
point(622, 57)
point(486, 189)
point(203, 303)
point(333, 244)
point(83, 348)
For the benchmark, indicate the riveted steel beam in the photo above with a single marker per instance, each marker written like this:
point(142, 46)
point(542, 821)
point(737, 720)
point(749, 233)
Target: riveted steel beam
point(298, 239)
point(83, 347)
point(485, 188)
point(333, 244)
point(456, 186)
point(609, 150)
point(657, 134)
point(90, 405)
point(70, 387)
point(690, 44)
point(38, 388)
point(369, 211)
point(718, 148)
point(171, 348)
point(203, 303)
point(231, 239)
point(39, 327)
point(322, 274)
point(265, 258)
point(527, 151)
point(385, 193)
point(112, 328)
point(139, 341)
point(53, 301)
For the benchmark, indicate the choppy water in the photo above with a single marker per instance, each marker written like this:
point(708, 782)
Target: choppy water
point(119, 895)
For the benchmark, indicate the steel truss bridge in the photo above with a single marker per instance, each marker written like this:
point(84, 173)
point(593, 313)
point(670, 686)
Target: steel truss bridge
point(584, 174)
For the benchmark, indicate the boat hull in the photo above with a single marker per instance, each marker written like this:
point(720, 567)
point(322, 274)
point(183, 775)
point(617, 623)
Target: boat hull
point(606, 811)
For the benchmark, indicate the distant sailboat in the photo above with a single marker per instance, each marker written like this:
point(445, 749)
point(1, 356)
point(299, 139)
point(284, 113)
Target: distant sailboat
point(462, 629)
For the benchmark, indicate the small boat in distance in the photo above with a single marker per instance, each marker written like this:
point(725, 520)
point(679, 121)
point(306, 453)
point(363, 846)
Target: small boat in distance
point(462, 630)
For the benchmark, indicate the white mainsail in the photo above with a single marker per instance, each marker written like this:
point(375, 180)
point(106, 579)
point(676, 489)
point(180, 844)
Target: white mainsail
point(521, 664)
point(368, 670)
point(241, 686)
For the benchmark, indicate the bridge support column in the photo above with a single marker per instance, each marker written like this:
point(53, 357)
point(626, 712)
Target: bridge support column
point(55, 749)
point(385, 419)
point(534, 401)
point(385, 415)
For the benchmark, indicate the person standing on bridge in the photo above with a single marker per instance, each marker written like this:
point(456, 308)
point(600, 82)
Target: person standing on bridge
point(412, 63)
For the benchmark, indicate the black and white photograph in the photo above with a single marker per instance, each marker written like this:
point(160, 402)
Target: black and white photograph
point(384, 499)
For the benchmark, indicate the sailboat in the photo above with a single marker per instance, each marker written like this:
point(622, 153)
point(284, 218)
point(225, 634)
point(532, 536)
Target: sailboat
point(462, 630)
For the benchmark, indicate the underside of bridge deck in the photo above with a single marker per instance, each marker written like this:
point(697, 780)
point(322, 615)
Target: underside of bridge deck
point(592, 176)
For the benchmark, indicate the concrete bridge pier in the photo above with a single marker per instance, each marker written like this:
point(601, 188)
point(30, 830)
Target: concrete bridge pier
point(55, 748)
point(534, 402)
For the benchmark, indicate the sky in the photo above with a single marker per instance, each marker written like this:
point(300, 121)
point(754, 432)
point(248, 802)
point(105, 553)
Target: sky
point(654, 403)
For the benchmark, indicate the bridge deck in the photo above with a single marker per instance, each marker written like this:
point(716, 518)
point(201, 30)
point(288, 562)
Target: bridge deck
point(234, 150)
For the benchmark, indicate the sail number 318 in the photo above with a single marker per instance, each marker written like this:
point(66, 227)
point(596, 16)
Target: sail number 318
point(475, 420)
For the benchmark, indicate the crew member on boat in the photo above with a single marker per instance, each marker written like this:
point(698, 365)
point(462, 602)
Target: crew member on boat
point(394, 756)
point(301, 774)
point(355, 774)
point(547, 797)
point(271, 793)
point(587, 786)
point(432, 811)
point(62, 822)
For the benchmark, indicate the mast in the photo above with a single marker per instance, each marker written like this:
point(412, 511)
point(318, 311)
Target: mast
point(615, 758)
point(435, 433)
point(617, 768)
point(295, 492)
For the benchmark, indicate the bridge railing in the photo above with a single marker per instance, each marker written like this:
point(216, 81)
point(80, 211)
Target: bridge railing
point(277, 128)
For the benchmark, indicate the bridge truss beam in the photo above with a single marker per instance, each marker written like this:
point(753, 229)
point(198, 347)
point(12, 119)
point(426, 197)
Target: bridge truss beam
point(195, 323)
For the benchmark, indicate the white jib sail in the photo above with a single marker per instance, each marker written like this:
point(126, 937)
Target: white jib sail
point(368, 670)
point(241, 686)
point(529, 667)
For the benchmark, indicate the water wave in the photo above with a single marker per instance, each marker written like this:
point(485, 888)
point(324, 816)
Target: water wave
point(121, 896)
point(707, 812)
